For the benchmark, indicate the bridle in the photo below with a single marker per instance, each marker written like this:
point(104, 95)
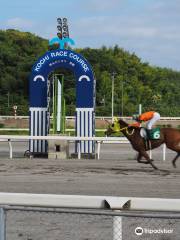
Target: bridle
point(124, 128)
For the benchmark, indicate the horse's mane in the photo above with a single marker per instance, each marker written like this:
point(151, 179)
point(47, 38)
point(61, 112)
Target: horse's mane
point(121, 121)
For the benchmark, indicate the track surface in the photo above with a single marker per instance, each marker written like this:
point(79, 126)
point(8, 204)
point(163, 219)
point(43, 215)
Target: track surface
point(116, 173)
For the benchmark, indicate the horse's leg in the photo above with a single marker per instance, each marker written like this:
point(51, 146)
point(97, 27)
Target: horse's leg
point(149, 161)
point(174, 160)
point(175, 146)
point(139, 156)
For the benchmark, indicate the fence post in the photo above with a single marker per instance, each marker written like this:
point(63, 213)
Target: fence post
point(2, 224)
point(10, 148)
point(79, 149)
point(98, 149)
point(164, 152)
point(117, 227)
point(150, 153)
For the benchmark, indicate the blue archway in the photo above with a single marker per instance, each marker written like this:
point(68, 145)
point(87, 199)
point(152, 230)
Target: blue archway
point(85, 96)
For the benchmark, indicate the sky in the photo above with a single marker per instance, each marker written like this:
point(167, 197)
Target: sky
point(148, 28)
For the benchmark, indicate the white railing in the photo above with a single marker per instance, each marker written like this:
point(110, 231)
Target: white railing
point(98, 140)
point(10, 201)
point(27, 129)
point(97, 117)
point(90, 202)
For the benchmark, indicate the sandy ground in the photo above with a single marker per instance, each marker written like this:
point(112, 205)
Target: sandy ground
point(116, 173)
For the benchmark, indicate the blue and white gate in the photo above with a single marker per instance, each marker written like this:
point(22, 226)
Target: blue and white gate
point(85, 97)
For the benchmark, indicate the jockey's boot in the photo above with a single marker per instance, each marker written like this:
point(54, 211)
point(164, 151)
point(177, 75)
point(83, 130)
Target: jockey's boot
point(148, 134)
point(147, 144)
point(147, 141)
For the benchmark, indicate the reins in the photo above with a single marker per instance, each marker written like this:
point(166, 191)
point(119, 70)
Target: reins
point(126, 128)
point(129, 132)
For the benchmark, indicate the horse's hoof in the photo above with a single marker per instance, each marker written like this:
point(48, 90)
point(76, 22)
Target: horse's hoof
point(155, 168)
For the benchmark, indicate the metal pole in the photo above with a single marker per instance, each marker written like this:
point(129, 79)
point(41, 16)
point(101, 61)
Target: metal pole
point(59, 105)
point(117, 227)
point(140, 109)
point(164, 152)
point(10, 149)
point(150, 154)
point(98, 149)
point(2, 224)
point(112, 94)
point(54, 104)
point(8, 98)
point(79, 149)
point(63, 107)
point(63, 116)
point(122, 99)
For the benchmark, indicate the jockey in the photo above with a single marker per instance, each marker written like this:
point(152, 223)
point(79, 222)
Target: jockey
point(149, 117)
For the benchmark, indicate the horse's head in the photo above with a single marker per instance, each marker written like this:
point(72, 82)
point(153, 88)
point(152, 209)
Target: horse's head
point(113, 127)
point(116, 126)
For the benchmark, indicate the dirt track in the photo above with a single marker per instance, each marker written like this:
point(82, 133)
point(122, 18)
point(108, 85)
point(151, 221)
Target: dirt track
point(116, 173)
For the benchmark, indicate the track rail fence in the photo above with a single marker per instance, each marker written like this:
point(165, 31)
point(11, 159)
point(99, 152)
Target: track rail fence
point(98, 140)
point(77, 217)
point(97, 117)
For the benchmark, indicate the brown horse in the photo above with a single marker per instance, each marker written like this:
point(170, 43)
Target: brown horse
point(169, 136)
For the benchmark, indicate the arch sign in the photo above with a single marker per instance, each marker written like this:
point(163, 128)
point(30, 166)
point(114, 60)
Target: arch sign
point(85, 96)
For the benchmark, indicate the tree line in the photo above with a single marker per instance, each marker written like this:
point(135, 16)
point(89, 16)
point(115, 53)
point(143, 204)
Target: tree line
point(135, 82)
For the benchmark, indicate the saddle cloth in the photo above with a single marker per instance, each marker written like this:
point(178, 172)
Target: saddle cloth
point(150, 134)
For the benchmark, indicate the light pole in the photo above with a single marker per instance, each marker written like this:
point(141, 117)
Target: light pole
point(124, 81)
point(8, 98)
point(122, 98)
point(140, 108)
point(112, 94)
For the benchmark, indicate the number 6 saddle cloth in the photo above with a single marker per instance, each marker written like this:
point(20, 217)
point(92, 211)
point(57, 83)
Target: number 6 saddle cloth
point(152, 134)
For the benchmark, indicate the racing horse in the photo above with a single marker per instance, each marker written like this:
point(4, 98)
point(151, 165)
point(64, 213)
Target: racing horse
point(169, 136)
